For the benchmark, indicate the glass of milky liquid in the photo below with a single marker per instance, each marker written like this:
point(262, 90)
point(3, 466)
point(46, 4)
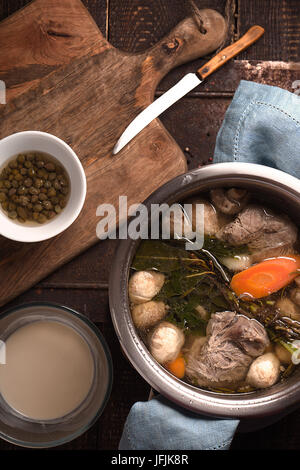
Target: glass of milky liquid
point(55, 375)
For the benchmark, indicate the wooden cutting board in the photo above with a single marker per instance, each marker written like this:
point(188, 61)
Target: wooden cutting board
point(63, 77)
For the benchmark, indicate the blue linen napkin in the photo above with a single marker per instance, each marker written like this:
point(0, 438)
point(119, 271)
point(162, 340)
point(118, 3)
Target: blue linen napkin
point(261, 125)
point(160, 425)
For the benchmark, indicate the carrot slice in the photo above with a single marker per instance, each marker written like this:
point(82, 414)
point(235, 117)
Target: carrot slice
point(267, 277)
point(177, 367)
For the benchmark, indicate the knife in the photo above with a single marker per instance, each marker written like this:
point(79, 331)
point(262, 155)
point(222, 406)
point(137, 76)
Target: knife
point(186, 84)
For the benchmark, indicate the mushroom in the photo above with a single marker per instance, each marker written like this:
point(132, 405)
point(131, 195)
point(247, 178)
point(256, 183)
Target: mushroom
point(229, 201)
point(287, 308)
point(283, 354)
point(148, 314)
point(213, 221)
point(144, 285)
point(264, 371)
point(165, 342)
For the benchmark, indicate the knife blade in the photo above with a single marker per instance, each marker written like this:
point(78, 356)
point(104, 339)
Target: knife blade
point(185, 85)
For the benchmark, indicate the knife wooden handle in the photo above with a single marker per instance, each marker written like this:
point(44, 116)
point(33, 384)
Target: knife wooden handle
point(252, 35)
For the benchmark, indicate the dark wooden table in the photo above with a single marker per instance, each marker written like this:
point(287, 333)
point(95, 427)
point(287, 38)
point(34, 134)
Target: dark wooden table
point(134, 25)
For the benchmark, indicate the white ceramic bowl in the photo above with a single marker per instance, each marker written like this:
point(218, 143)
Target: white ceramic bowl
point(42, 142)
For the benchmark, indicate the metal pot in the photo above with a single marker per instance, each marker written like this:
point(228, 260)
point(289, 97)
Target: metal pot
point(274, 187)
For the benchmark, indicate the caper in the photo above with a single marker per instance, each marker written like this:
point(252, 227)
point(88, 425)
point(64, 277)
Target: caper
point(28, 164)
point(38, 183)
point(35, 215)
point(47, 205)
point(13, 164)
point(15, 198)
point(47, 184)
point(42, 219)
point(6, 171)
point(31, 172)
point(51, 192)
point(22, 190)
point(7, 184)
point(11, 192)
point(34, 199)
point(12, 206)
point(52, 176)
point(18, 177)
point(30, 157)
point(33, 191)
point(51, 214)
point(50, 166)
point(22, 212)
point(23, 171)
point(54, 200)
point(42, 173)
point(15, 184)
point(56, 185)
point(21, 158)
point(57, 209)
point(43, 190)
point(40, 164)
point(24, 201)
point(5, 205)
point(12, 214)
point(62, 203)
point(3, 197)
point(38, 208)
point(42, 197)
point(28, 182)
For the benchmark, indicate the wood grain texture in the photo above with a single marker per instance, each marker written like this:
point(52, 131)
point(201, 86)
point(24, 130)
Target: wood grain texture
point(88, 103)
point(41, 37)
point(281, 20)
point(226, 80)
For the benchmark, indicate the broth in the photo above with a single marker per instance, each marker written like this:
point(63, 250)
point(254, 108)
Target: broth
point(225, 317)
point(49, 370)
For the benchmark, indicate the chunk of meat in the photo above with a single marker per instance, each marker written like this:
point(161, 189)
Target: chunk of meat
point(213, 221)
point(266, 233)
point(233, 341)
point(230, 201)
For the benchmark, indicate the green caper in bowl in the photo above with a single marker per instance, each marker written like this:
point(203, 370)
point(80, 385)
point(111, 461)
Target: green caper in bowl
point(34, 188)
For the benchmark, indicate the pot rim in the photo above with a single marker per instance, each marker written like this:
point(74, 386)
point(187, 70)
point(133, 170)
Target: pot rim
point(251, 405)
